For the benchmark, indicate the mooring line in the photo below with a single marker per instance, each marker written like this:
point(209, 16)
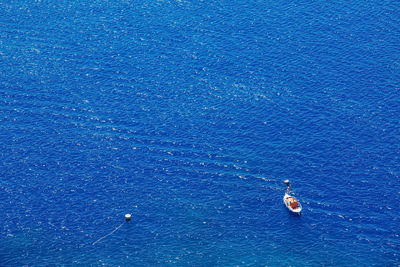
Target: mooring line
point(127, 218)
point(101, 238)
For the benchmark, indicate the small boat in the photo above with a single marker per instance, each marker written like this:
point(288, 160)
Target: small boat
point(292, 203)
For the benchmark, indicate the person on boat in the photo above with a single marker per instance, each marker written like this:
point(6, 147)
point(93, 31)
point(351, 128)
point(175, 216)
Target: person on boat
point(287, 188)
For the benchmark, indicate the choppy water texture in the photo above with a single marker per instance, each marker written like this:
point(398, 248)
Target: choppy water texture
point(189, 115)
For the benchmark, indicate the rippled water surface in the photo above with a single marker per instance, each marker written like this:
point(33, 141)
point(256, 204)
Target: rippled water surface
point(189, 115)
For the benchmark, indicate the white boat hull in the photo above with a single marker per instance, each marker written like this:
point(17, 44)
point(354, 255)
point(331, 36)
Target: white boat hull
point(286, 199)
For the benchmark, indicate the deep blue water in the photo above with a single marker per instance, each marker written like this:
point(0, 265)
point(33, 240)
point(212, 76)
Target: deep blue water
point(189, 115)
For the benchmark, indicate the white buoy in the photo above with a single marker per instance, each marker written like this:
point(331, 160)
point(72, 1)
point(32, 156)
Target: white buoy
point(286, 181)
point(127, 217)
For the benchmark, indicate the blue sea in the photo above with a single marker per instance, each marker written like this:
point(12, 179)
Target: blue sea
point(189, 115)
